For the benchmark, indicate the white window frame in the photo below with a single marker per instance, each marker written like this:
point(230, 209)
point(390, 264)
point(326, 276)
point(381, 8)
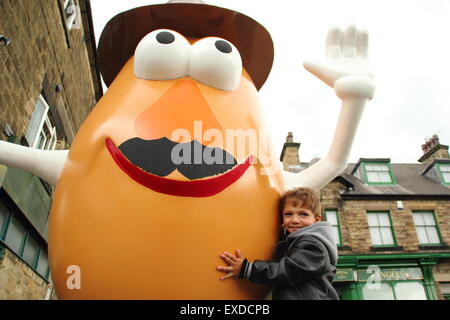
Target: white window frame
point(40, 124)
point(70, 11)
point(335, 226)
point(426, 226)
point(378, 227)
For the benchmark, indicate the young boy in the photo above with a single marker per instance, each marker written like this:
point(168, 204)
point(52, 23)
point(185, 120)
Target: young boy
point(304, 262)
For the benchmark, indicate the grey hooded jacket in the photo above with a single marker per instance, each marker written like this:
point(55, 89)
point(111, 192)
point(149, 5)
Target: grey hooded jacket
point(303, 266)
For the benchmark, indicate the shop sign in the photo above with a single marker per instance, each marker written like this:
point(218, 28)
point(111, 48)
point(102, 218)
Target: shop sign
point(390, 274)
point(345, 275)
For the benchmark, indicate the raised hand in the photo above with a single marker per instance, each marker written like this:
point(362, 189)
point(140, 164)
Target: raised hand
point(346, 67)
point(346, 70)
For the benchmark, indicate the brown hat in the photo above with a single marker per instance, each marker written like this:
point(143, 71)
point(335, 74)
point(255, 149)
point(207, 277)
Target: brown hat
point(123, 32)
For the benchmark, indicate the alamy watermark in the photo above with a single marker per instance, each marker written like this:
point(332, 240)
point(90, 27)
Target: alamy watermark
point(74, 280)
point(374, 280)
point(238, 143)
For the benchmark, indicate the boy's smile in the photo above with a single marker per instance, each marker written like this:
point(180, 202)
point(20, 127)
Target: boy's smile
point(295, 216)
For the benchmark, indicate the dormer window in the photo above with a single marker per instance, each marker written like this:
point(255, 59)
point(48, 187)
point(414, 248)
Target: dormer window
point(374, 171)
point(444, 170)
point(438, 171)
point(378, 173)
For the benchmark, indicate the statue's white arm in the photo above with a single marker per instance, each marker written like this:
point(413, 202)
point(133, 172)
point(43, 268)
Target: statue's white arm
point(44, 164)
point(346, 70)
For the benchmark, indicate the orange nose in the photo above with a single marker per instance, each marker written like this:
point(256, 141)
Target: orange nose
point(184, 107)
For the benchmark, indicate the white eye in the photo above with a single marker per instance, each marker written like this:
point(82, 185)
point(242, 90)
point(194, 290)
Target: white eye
point(161, 55)
point(216, 63)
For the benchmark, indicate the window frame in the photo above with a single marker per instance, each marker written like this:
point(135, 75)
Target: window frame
point(395, 244)
point(44, 123)
point(392, 284)
point(5, 225)
point(339, 244)
point(366, 178)
point(69, 20)
point(22, 244)
point(28, 233)
point(36, 256)
point(441, 174)
point(436, 226)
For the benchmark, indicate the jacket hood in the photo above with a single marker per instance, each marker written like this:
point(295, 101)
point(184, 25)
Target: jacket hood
point(322, 231)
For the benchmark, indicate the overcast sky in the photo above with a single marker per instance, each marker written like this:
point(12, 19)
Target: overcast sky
point(409, 53)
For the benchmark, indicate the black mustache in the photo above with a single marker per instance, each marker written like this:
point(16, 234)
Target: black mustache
point(162, 156)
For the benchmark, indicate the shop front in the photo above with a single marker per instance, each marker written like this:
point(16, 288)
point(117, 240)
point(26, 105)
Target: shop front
point(387, 277)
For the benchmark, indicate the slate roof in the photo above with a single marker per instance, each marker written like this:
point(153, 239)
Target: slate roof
point(409, 184)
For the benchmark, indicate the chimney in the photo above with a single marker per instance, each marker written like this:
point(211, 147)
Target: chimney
point(289, 155)
point(432, 149)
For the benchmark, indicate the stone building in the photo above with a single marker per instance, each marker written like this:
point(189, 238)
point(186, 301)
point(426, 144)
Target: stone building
point(391, 222)
point(49, 83)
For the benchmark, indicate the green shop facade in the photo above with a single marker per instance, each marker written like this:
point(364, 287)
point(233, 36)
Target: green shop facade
point(388, 277)
point(25, 202)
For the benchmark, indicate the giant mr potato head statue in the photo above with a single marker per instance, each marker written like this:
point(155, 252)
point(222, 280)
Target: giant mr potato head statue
point(154, 185)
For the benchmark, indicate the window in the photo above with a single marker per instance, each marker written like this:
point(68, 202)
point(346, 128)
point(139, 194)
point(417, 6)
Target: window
point(380, 229)
point(401, 290)
point(445, 289)
point(382, 292)
point(70, 11)
point(41, 133)
point(22, 242)
point(42, 265)
point(4, 213)
point(332, 217)
point(445, 172)
point(15, 235)
point(378, 173)
point(30, 251)
point(426, 228)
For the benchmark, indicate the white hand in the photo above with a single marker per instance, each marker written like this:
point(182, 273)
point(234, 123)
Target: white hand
point(346, 68)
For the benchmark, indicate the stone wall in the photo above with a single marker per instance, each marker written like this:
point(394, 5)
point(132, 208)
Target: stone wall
point(290, 157)
point(19, 282)
point(355, 228)
point(43, 57)
point(43, 54)
point(441, 273)
point(438, 152)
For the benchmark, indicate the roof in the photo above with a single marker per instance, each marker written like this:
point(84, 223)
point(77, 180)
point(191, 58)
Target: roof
point(409, 183)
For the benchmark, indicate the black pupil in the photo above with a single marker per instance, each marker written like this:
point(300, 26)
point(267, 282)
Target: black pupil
point(223, 46)
point(165, 37)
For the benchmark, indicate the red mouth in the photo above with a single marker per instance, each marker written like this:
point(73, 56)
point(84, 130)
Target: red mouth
point(195, 188)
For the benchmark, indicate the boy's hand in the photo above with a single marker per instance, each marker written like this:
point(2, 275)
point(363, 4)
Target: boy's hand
point(234, 264)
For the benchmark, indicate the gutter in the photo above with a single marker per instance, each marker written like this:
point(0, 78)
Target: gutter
point(94, 64)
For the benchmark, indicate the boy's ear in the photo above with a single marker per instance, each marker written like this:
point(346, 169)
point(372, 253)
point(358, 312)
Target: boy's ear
point(318, 218)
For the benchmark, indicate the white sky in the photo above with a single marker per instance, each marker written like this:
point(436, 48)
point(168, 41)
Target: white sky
point(409, 53)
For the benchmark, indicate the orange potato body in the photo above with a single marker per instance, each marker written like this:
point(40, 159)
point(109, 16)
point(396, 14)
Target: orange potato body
point(131, 242)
